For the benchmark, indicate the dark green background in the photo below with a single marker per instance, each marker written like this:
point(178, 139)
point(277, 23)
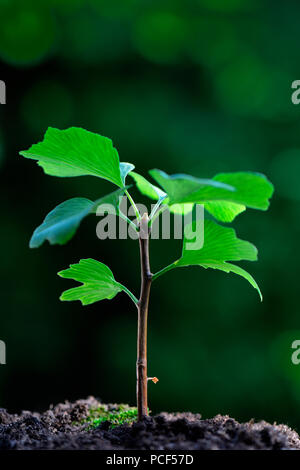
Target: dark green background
point(195, 86)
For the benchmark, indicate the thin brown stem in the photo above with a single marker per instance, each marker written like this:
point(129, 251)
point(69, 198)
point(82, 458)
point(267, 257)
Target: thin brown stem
point(146, 279)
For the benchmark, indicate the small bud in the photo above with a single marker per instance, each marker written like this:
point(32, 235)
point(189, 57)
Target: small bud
point(154, 379)
point(144, 229)
point(145, 217)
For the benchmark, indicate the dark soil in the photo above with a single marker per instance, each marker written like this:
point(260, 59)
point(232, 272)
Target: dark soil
point(55, 429)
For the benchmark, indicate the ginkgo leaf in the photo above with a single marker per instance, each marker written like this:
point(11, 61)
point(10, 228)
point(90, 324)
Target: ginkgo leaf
point(220, 246)
point(221, 210)
point(125, 169)
point(146, 188)
point(252, 189)
point(77, 152)
point(181, 208)
point(243, 188)
point(224, 211)
point(97, 280)
point(153, 192)
point(181, 188)
point(233, 268)
point(62, 222)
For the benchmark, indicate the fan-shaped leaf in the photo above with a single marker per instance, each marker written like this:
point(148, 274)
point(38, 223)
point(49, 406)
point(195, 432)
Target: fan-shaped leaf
point(220, 245)
point(125, 168)
point(97, 280)
point(146, 188)
point(232, 268)
point(62, 222)
point(223, 210)
point(184, 188)
point(76, 152)
point(242, 188)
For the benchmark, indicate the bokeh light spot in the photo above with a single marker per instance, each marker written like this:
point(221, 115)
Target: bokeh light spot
point(161, 36)
point(228, 5)
point(47, 103)
point(285, 171)
point(213, 49)
point(244, 86)
point(27, 34)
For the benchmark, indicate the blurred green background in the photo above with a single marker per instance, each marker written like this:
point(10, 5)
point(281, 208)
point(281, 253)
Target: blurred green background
point(194, 86)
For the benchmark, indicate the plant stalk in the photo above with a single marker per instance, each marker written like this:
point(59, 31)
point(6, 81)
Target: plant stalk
point(146, 280)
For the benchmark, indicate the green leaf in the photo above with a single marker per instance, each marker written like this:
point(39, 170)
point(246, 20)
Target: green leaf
point(112, 199)
point(125, 168)
point(62, 222)
point(229, 267)
point(97, 280)
point(146, 188)
point(77, 152)
point(181, 208)
point(252, 189)
point(223, 210)
point(220, 245)
point(184, 188)
point(242, 188)
point(153, 192)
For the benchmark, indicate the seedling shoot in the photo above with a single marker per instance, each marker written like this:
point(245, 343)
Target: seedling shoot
point(77, 152)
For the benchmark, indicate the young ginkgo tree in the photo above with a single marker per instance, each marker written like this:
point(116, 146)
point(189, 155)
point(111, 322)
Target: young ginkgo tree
point(77, 152)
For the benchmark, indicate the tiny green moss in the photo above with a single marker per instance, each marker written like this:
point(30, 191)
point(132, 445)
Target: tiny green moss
point(120, 414)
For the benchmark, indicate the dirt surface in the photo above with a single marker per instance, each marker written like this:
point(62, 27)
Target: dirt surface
point(55, 429)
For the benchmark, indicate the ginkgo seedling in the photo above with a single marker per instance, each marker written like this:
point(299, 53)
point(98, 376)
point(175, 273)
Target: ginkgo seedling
point(77, 152)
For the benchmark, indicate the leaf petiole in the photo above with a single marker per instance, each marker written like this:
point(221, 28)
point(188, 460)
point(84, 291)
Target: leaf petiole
point(157, 213)
point(130, 294)
point(156, 207)
point(138, 216)
point(164, 270)
point(124, 217)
